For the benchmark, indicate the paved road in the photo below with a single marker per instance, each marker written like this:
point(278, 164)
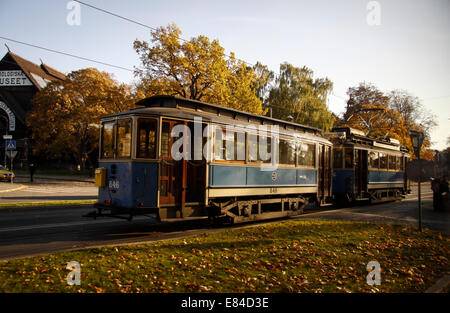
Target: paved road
point(403, 212)
point(47, 190)
point(34, 232)
point(38, 231)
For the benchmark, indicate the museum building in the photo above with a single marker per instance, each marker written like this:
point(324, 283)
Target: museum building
point(20, 79)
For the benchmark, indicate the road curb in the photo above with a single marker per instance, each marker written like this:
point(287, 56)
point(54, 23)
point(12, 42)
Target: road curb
point(14, 189)
point(441, 286)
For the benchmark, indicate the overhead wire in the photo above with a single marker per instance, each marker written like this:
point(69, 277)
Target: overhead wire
point(138, 23)
point(109, 64)
point(143, 25)
point(154, 29)
point(66, 54)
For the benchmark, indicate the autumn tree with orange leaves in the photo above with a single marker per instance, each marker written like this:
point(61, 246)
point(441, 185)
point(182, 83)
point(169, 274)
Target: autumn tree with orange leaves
point(390, 115)
point(66, 115)
point(197, 69)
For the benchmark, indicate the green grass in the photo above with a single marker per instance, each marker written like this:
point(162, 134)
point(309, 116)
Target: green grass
point(290, 256)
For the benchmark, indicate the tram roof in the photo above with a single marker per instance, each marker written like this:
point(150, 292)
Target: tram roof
point(357, 137)
point(166, 101)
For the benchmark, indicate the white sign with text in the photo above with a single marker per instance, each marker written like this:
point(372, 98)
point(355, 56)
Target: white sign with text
point(14, 78)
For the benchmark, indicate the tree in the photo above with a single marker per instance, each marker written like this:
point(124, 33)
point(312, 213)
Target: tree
point(412, 111)
point(378, 121)
point(300, 98)
point(382, 115)
point(262, 84)
point(364, 94)
point(415, 117)
point(197, 69)
point(65, 116)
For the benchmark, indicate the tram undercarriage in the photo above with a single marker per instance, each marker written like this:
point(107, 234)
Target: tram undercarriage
point(232, 211)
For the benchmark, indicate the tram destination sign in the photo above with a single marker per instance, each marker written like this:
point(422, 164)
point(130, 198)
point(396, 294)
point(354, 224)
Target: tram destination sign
point(14, 78)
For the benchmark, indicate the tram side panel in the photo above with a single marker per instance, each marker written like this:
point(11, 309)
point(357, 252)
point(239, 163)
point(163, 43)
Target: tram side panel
point(128, 186)
point(343, 184)
point(232, 181)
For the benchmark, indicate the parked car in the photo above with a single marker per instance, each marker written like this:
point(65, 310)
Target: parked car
point(5, 174)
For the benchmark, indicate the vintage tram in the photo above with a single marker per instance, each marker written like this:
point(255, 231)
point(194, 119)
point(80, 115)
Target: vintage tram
point(182, 159)
point(366, 169)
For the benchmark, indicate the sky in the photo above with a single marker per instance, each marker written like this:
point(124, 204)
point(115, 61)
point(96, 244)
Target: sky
point(393, 44)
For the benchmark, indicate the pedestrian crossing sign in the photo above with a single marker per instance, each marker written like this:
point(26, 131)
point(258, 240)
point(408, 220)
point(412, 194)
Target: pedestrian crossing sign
point(10, 145)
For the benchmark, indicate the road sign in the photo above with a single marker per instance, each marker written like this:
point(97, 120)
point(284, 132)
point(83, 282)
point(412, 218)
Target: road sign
point(11, 154)
point(7, 136)
point(10, 145)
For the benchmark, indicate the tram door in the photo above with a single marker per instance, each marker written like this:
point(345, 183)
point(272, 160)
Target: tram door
point(182, 178)
point(196, 165)
point(171, 171)
point(360, 171)
point(324, 172)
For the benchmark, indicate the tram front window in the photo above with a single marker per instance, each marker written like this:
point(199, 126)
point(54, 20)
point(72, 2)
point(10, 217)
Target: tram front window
point(116, 139)
point(124, 138)
point(108, 140)
point(146, 140)
point(348, 157)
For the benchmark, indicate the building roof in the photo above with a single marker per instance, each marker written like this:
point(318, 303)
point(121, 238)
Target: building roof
point(52, 72)
point(39, 75)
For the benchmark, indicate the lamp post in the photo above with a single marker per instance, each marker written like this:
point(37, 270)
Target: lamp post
point(417, 140)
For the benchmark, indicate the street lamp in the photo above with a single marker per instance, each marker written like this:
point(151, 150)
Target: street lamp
point(417, 140)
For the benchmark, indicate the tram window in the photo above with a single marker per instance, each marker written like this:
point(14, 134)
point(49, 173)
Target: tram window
point(146, 140)
point(287, 152)
point(195, 144)
point(307, 154)
point(401, 160)
point(374, 160)
point(219, 149)
point(259, 149)
point(398, 161)
point(239, 146)
point(165, 138)
point(348, 157)
point(383, 161)
point(124, 138)
point(229, 145)
point(392, 162)
point(107, 148)
point(337, 158)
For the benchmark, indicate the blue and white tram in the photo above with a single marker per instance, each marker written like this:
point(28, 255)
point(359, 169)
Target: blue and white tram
point(365, 169)
point(181, 159)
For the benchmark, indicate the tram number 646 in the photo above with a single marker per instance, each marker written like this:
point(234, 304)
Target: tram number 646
point(273, 190)
point(114, 184)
